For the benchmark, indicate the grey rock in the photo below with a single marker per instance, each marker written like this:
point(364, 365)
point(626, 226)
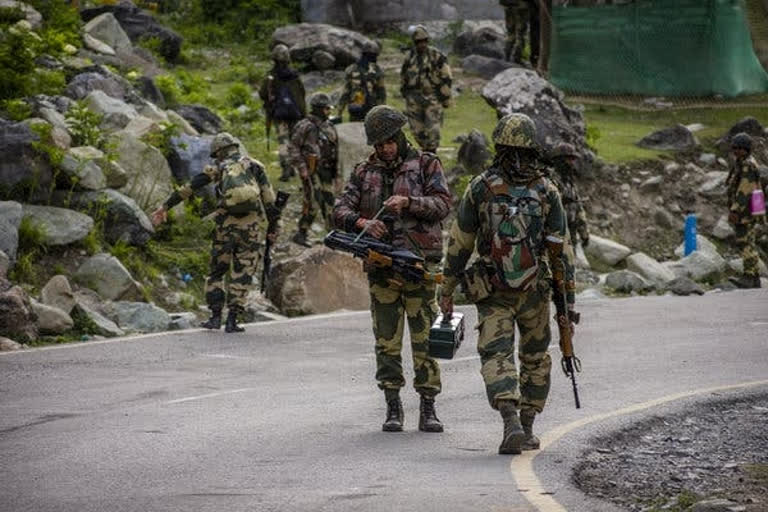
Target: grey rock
point(115, 175)
point(377, 13)
point(8, 345)
point(17, 318)
point(718, 505)
point(606, 251)
point(201, 118)
point(353, 147)
point(96, 79)
point(106, 29)
point(474, 151)
point(323, 60)
point(485, 67)
point(581, 260)
point(97, 46)
point(485, 41)
point(314, 80)
point(183, 124)
point(676, 138)
point(702, 245)
point(5, 264)
point(81, 166)
point(180, 321)
point(188, 156)
point(10, 219)
point(57, 292)
point(140, 126)
point(649, 268)
point(102, 325)
point(626, 281)
point(707, 158)
point(663, 218)
point(140, 317)
point(684, 286)
point(117, 113)
point(698, 266)
point(149, 91)
point(652, 184)
point(304, 39)
point(723, 229)
point(714, 186)
point(107, 276)
point(31, 15)
point(59, 131)
point(150, 180)
point(21, 165)
point(60, 225)
point(51, 320)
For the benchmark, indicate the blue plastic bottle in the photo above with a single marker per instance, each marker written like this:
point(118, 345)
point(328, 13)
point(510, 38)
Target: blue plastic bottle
point(689, 234)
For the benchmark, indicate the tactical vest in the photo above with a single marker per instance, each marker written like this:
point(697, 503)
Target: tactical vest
point(239, 189)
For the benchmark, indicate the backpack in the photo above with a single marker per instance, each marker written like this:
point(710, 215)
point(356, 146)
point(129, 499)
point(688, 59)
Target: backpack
point(515, 233)
point(239, 189)
point(284, 106)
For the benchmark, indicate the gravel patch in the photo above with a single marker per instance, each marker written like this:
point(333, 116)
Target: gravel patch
point(718, 449)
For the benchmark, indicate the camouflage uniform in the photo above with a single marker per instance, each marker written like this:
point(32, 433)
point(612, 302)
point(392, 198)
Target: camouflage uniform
point(744, 178)
point(519, 16)
point(236, 235)
point(425, 83)
point(314, 137)
point(363, 89)
point(574, 207)
point(418, 176)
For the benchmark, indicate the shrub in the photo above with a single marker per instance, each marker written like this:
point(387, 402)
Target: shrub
point(84, 125)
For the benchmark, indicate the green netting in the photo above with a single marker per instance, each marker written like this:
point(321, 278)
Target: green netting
point(656, 47)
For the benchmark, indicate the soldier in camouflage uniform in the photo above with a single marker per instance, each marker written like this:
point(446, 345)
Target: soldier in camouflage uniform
point(513, 216)
point(314, 151)
point(743, 179)
point(425, 83)
point(245, 196)
point(412, 187)
point(363, 85)
point(564, 159)
point(284, 103)
point(520, 17)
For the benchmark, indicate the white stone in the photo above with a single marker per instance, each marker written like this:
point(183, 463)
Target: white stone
point(723, 229)
point(50, 319)
point(649, 268)
point(606, 251)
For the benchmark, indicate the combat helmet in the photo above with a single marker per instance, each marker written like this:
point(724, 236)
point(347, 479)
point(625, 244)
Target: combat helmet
point(563, 150)
point(419, 33)
point(741, 141)
point(382, 122)
point(280, 53)
point(515, 130)
point(371, 47)
point(320, 100)
point(221, 141)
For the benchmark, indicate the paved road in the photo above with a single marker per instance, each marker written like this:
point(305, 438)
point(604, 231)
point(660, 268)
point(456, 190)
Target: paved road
point(287, 417)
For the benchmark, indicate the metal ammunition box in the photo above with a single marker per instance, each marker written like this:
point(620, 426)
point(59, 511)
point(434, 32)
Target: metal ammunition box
point(445, 337)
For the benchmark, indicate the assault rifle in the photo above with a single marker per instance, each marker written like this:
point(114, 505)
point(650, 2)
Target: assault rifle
point(382, 255)
point(569, 362)
point(280, 202)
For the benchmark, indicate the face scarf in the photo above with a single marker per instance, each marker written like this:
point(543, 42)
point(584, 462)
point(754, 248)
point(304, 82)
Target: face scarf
point(519, 164)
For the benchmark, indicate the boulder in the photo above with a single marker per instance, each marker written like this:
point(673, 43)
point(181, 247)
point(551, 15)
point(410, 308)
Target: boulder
point(17, 318)
point(317, 79)
point(122, 217)
point(581, 260)
point(5, 264)
point(649, 268)
point(723, 229)
point(59, 129)
point(60, 225)
point(140, 126)
point(150, 91)
point(31, 15)
point(188, 156)
point(317, 281)
point(323, 60)
point(140, 317)
point(702, 245)
point(115, 175)
point(8, 345)
point(684, 286)
point(153, 112)
point(106, 29)
point(98, 323)
point(97, 46)
point(201, 118)
point(377, 13)
point(748, 125)
point(51, 320)
point(108, 277)
point(182, 123)
point(139, 24)
point(714, 186)
point(22, 166)
point(305, 39)
point(116, 113)
point(652, 184)
point(60, 104)
point(353, 148)
point(676, 138)
point(150, 180)
point(81, 166)
point(698, 266)
point(474, 152)
point(485, 41)
point(11, 213)
point(485, 67)
point(718, 505)
point(626, 281)
point(181, 321)
point(524, 91)
point(96, 79)
point(57, 293)
point(606, 251)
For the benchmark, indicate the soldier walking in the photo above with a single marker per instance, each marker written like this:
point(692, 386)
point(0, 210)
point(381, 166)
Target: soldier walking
point(425, 83)
point(244, 198)
point(564, 159)
point(513, 216)
point(743, 179)
point(284, 104)
point(363, 85)
point(313, 150)
point(412, 187)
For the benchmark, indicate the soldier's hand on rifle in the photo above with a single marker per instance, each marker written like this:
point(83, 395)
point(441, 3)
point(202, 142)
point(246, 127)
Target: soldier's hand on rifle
point(446, 304)
point(375, 228)
point(397, 204)
point(159, 216)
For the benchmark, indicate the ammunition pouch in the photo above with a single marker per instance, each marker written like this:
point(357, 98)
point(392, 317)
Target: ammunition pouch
point(476, 283)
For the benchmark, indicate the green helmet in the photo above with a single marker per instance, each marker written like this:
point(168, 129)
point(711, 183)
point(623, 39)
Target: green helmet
point(320, 100)
point(371, 47)
point(564, 149)
point(280, 53)
point(382, 122)
point(515, 130)
point(419, 33)
point(741, 141)
point(221, 141)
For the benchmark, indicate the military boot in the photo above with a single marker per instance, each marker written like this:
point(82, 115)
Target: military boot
point(428, 420)
point(232, 323)
point(214, 322)
point(394, 421)
point(745, 281)
point(300, 238)
point(526, 420)
point(514, 436)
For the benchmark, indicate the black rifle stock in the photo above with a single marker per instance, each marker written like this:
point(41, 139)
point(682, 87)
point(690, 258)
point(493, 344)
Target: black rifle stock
point(280, 201)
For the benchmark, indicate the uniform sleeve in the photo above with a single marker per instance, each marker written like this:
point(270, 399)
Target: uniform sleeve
point(210, 174)
point(346, 210)
point(295, 143)
point(435, 204)
point(445, 78)
point(461, 241)
point(556, 230)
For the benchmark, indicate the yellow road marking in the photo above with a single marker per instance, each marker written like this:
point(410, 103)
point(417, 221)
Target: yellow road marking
point(522, 465)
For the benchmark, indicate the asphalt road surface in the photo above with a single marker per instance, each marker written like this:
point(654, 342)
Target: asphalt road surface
point(287, 417)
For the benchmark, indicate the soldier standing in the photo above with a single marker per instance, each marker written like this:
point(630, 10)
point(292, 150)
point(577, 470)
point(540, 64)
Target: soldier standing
point(743, 179)
point(313, 150)
point(245, 197)
point(521, 17)
point(425, 83)
point(363, 85)
point(513, 216)
point(283, 95)
point(564, 159)
point(412, 187)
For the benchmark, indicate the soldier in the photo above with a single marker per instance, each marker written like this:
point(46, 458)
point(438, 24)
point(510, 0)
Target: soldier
point(283, 95)
point(425, 83)
point(517, 15)
point(245, 196)
point(743, 179)
point(513, 215)
point(363, 85)
point(313, 150)
point(564, 159)
point(412, 187)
